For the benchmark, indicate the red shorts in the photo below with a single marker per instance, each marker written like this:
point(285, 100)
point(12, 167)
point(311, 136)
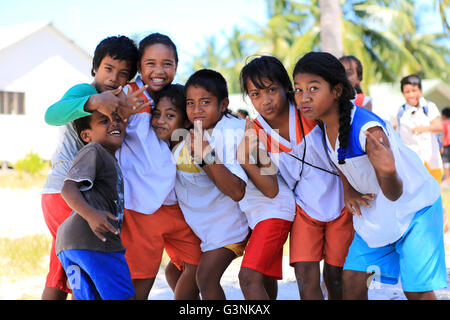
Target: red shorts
point(145, 236)
point(313, 240)
point(264, 251)
point(55, 210)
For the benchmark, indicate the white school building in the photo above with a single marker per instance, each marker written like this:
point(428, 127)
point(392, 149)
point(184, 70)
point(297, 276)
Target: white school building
point(38, 64)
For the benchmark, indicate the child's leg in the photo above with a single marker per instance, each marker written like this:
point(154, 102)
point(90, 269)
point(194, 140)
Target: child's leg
point(355, 285)
point(210, 270)
point(55, 211)
point(186, 286)
point(332, 276)
point(308, 280)
point(271, 286)
point(339, 235)
point(252, 284)
point(262, 262)
point(172, 275)
point(143, 287)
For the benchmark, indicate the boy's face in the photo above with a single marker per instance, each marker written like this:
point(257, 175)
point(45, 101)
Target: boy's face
point(157, 67)
point(203, 106)
point(111, 74)
point(166, 118)
point(109, 134)
point(412, 94)
point(350, 71)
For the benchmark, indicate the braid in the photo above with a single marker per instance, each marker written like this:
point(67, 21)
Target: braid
point(345, 108)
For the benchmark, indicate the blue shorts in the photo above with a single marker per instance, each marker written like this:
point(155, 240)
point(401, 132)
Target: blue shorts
point(95, 275)
point(418, 257)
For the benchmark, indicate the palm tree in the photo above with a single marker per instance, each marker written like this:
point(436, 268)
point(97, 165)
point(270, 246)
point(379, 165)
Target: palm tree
point(331, 27)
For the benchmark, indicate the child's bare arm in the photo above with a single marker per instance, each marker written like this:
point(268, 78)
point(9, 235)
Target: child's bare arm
point(260, 171)
point(381, 157)
point(97, 219)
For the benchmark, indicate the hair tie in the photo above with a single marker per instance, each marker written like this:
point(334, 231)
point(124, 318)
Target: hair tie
point(341, 155)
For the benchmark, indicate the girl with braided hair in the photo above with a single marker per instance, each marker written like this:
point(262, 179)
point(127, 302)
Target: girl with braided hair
point(396, 203)
point(322, 227)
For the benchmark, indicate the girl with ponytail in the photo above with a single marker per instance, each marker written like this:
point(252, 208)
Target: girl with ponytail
point(395, 201)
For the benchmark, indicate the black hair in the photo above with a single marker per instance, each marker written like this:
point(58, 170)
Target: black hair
point(412, 79)
point(156, 38)
point(332, 71)
point(243, 111)
point(175, 93)
point(359, 69)
point(446, 112)
point(212, 81)
point(81, 124)
point(118, 48)
point(265, 67)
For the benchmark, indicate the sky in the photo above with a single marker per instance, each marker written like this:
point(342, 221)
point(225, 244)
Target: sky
point(187, 22)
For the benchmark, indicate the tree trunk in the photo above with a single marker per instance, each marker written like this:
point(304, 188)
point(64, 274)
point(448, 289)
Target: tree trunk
point(330, 27)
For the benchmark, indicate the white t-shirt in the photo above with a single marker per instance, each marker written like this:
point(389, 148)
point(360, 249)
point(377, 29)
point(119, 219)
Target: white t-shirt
point(386, 220)
point(258, 207)
point(425, 144)
point(318, 188)
point(147, 164)
point(213, 216)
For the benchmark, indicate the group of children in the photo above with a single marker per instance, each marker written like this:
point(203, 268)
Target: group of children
point(150, 166)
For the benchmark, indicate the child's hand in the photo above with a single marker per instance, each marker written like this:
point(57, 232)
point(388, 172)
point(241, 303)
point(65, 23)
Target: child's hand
point(99, 224)
point(380, 153)
point(353, 200)
point(134, 102)
point(198, 145)
point(248, 144)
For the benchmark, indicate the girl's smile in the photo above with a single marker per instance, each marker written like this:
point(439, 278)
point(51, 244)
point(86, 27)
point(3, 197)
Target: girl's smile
point(157, 67)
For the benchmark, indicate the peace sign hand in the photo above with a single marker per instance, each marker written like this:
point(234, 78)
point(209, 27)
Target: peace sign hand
point(249, 144)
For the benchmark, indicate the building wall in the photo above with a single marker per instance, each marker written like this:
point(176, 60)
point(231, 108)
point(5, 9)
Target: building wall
point(44, 66)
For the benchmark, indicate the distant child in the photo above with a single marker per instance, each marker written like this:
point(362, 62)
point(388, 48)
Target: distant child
point(397, 204)
point(88, 242)
point(419, 122)
point(446, 144)
point(242, 113)
point(354, 72)
point(169, 121)
point(322, 227)
point(113, 65)
point(153, 220)
point(210, 181)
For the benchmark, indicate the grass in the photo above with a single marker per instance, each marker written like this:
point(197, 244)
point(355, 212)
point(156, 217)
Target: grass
point(24, 257)
point(22, 180)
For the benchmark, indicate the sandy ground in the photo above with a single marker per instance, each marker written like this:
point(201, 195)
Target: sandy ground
point(21, 215)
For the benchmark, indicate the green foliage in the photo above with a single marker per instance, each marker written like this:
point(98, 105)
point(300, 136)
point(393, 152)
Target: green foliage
point(382, 34)
point(31, 163)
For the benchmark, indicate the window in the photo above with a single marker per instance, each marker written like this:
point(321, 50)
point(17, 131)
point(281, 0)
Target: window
point(12, 102)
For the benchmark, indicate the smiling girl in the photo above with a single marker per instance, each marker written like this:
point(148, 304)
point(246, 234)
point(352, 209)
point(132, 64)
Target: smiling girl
point(151, 209)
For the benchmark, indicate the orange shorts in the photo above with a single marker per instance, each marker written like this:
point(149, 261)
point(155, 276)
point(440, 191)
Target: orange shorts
point(313, 240)
point(264, 251)
point(145, 236)
point(55, 210)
